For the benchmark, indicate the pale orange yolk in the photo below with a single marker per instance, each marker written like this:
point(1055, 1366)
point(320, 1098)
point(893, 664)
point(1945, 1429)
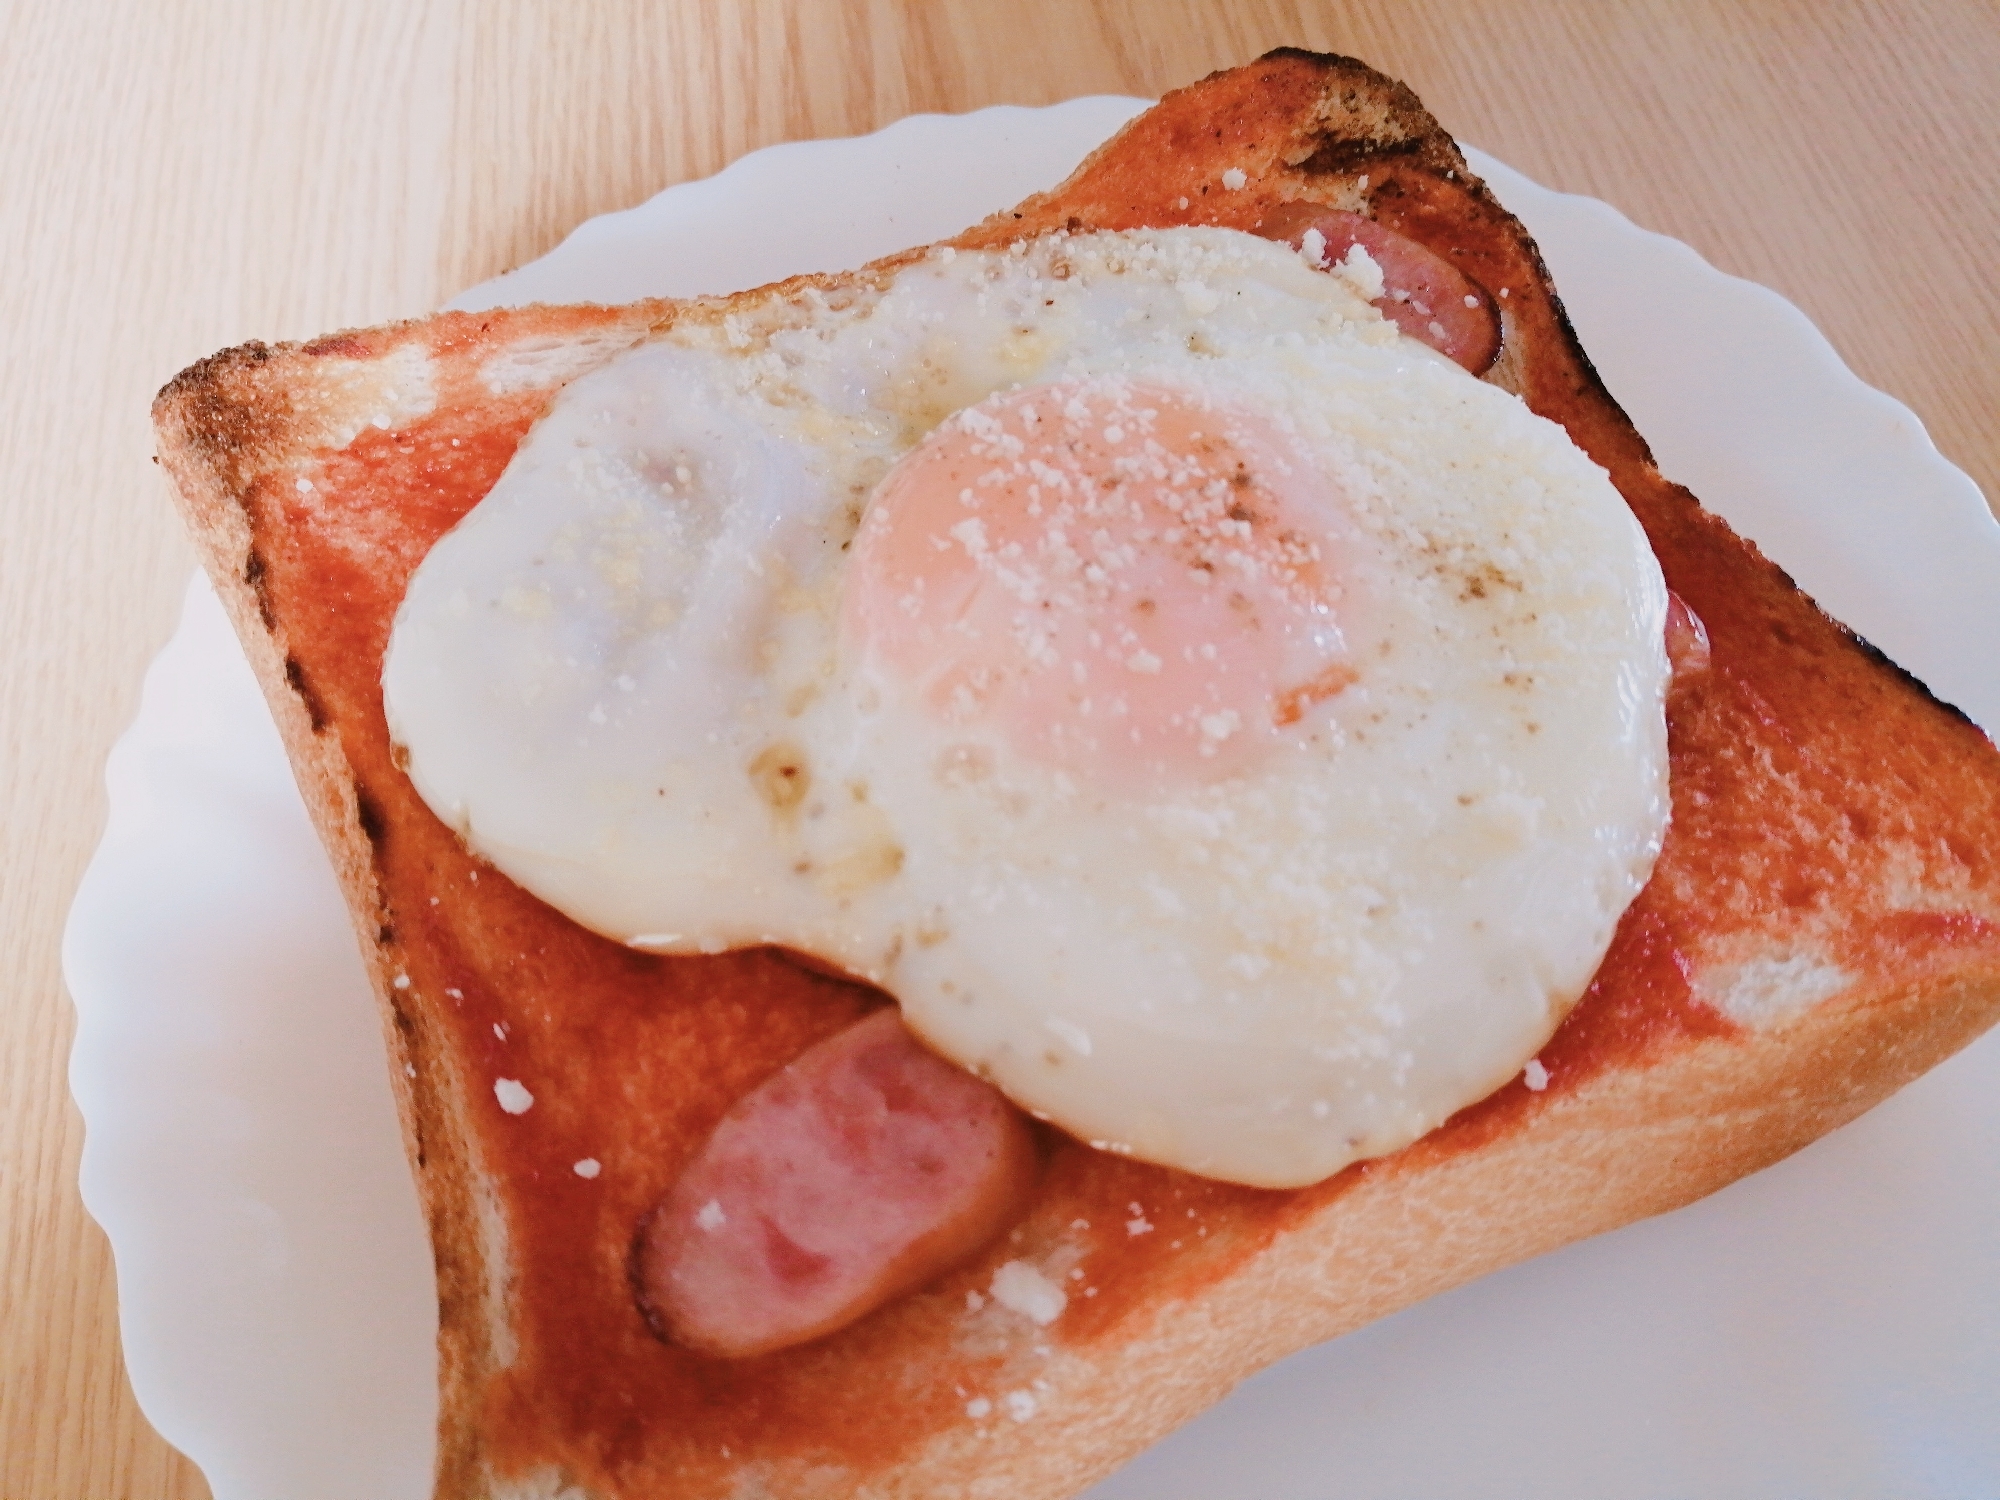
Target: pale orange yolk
point(1125, 580)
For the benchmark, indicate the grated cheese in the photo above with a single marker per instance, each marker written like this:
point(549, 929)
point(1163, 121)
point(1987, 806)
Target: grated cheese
point(513, 1097)
point(1020, 1288)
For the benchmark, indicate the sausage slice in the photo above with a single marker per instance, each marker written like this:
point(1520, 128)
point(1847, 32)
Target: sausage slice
point(1423, 294)
point(865, 1168)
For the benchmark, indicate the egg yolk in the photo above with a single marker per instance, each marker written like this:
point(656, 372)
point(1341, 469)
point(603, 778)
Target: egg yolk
point(1125, 580)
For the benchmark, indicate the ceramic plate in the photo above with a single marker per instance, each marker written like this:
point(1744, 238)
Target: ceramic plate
point(1829, 1327)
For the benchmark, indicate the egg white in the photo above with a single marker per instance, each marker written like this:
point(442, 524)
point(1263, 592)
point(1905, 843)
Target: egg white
point(622, 678)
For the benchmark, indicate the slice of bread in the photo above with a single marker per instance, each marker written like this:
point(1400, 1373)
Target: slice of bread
point(1822, 926)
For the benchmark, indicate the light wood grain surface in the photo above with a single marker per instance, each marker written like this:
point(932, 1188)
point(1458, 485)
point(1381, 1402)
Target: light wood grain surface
point(179, 175)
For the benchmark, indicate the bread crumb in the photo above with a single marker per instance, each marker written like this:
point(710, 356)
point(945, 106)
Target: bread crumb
point(973, 1301)
point(1234, 179)
point(711, 1217)
point(979, 1408)
point(402, 981)
point(587, 1168)
point(513, 1098)
point(1137, 1227)
point(1535, 1076)
point(1020, 1405)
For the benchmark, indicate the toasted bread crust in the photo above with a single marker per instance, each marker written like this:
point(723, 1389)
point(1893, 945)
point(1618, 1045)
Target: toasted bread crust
point(1832, 833)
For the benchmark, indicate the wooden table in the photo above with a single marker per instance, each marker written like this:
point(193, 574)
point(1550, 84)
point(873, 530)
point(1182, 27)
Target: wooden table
point(181, 175)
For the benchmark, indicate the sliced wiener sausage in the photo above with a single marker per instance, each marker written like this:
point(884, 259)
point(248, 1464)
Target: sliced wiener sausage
point(864, 1169)
point(1423, 294)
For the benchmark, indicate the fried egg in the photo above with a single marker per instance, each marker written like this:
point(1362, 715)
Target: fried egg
point(1218, 720)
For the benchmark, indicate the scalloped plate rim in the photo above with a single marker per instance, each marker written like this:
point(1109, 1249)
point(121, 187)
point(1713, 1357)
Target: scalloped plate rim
point(193, 707)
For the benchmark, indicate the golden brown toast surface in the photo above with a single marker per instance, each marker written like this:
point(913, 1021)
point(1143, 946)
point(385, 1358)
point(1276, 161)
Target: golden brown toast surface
point(1829, 818)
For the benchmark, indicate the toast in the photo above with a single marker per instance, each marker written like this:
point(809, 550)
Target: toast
point(1823, 923)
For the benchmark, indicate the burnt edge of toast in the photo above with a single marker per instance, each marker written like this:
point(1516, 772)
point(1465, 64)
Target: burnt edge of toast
point(1436, 150)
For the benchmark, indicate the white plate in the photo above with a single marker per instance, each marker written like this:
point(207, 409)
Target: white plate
point(1830, 1327)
